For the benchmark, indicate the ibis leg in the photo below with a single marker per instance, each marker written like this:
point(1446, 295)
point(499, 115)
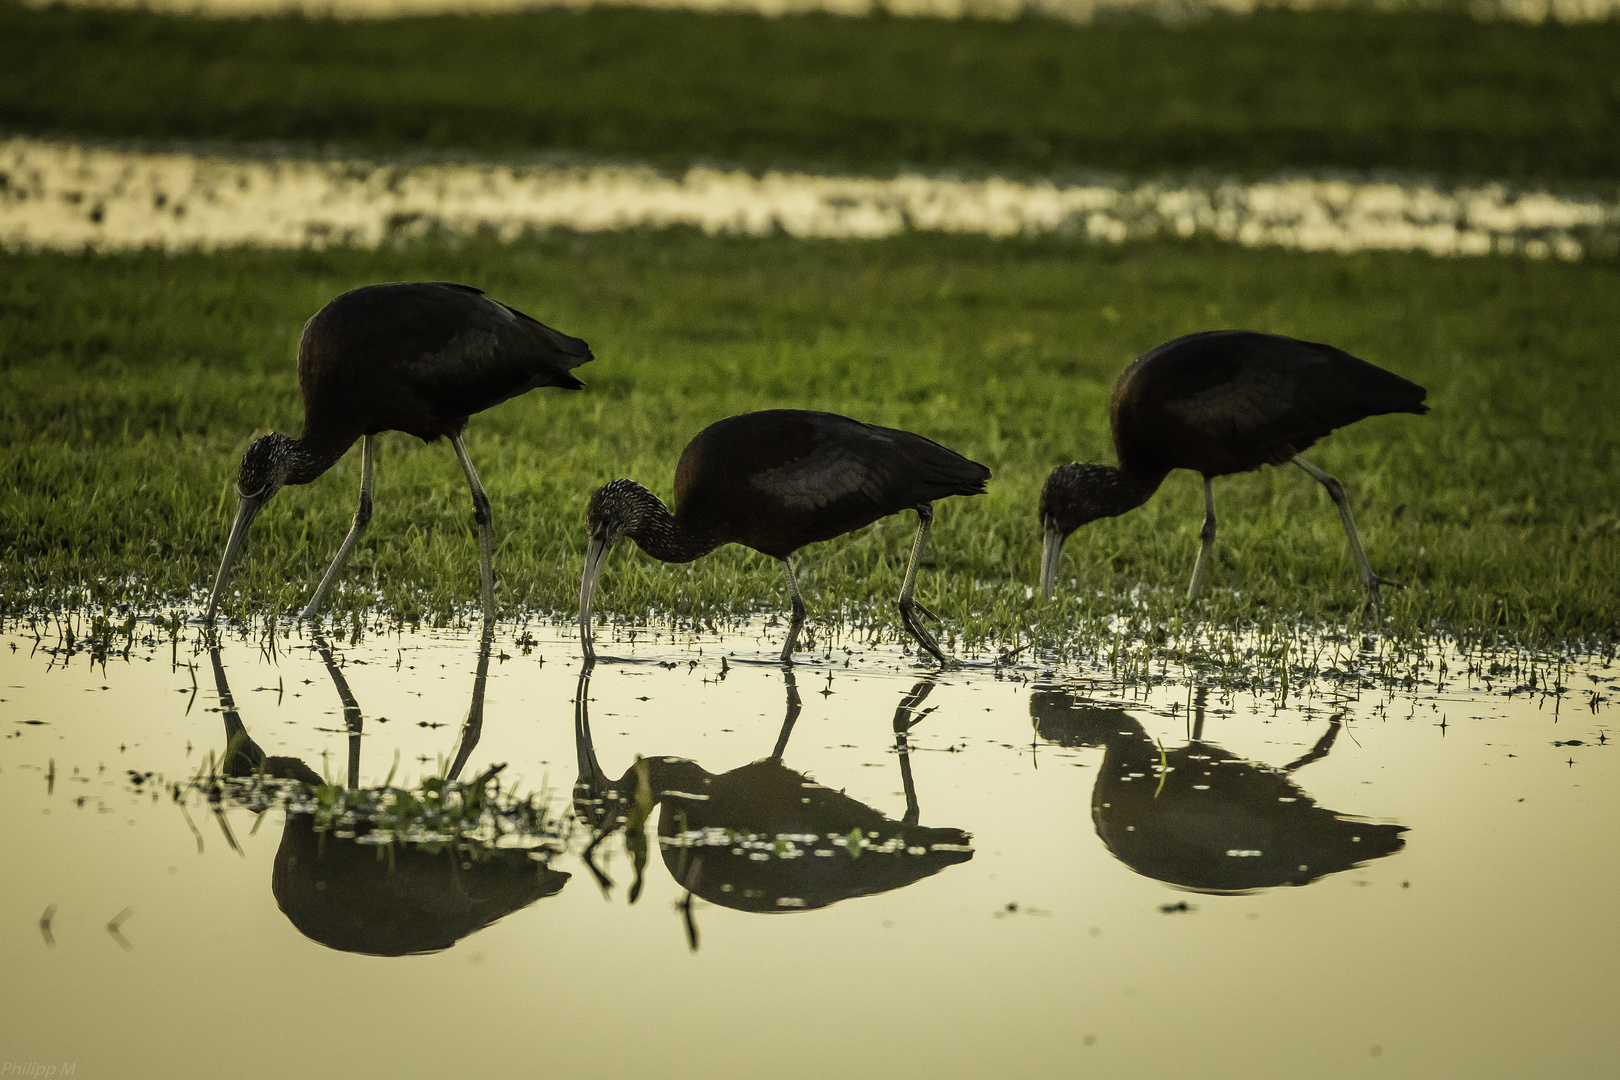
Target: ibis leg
point(907, 717)
point(1335, 491)
point(486, 531)
point(1323, 745)
point(798, 613)
point(472, 729)
point(909, 608)
point(352, 719)
point(362, 518)
point(789, 718)
point(1206, 551)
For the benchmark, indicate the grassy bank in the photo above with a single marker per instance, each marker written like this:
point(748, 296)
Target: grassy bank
point(1429, 92)
point(132, 383)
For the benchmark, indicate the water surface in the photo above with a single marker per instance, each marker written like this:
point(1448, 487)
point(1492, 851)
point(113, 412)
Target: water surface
point(69, 196)
point(862, 867)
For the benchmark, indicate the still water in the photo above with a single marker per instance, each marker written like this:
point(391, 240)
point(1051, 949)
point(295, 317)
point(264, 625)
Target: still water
point(694, 863)
point(68, 196)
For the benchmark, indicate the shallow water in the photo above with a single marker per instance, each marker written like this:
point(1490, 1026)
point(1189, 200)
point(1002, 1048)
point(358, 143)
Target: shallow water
point(1059, 869)
point(67, 196)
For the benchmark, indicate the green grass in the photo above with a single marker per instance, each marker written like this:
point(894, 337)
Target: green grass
point(130, 384)
point(1428, 92)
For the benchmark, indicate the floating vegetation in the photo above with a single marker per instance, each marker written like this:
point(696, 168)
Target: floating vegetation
point(475, 817)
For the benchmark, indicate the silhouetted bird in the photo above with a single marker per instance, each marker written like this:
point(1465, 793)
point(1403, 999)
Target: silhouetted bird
point(418, 357)
point(1200, 817)
point(761, 837)
point(397, 897)
point(1224, 401)
point(776, 481)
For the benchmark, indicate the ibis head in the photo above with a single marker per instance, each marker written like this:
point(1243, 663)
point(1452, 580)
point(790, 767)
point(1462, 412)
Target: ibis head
point(620, 508)
point(1075, 495)
point(264, 470)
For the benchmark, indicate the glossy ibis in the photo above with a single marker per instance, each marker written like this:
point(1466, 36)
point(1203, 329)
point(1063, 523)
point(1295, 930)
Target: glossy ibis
point(1200, 817)
point(763, 837)
point(776, 481)
point(423, 897)
point(418, 357)
point(1220, 402)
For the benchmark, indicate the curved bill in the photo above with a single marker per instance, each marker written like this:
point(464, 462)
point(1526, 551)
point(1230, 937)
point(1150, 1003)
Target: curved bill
point(591, 782)
point(246, 508)
point(1051, 556)
point(595, 556)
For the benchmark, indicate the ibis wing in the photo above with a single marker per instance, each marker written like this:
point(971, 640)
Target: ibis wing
point(480, 352)
point(1263, 397)
point(833, 473)
point(1254, 411)
point(852, 464)
point(782, 478)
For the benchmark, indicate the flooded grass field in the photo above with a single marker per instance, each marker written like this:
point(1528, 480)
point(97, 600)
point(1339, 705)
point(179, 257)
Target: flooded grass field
point(1267, 833)
point(1372, 860)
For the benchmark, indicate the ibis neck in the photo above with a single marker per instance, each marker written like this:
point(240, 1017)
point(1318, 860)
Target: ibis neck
point(1116, 490)
point(313, 453)
point(664, 535)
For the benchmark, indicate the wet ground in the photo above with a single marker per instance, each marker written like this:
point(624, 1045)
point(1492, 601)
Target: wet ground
point(283, 856)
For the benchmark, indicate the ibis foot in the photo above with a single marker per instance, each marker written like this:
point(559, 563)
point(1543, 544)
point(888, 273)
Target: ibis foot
point(909, 609)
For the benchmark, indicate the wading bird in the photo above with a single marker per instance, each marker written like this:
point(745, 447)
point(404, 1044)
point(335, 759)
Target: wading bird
point(424, 896)
point(1220, 402)
point(1200, 817)
point(776, 481)
point(418, 357)
point(763, 837)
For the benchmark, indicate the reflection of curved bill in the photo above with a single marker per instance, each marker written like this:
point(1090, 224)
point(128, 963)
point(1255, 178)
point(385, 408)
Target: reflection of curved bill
point(1200, 817)
point(763, 837)
point(385, 899)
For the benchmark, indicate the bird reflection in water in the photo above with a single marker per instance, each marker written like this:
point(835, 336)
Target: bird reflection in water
point(763, 837)
point(1201, 818)
point(399, 898)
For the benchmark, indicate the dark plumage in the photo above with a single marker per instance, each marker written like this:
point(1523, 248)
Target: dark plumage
point(423, 897)
point(1201, 818)
point(418, 357)
point(717, 831)
point(1220, 402)
point(776, 481)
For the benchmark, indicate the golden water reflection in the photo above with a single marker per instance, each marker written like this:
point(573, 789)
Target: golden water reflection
point(64, 196)
point(350, 890)
point(1019, 905)
point(1202, 818)
point(761, 837)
